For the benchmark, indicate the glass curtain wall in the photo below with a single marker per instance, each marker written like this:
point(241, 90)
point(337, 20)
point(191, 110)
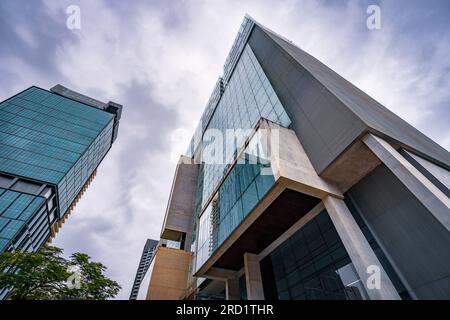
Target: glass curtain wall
point(247, 98)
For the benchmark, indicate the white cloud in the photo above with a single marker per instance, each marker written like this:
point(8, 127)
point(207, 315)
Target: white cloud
point(26, 36)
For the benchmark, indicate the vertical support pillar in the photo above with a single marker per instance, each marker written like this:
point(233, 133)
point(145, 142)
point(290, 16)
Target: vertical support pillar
point(437, 203)
point(253, 278)
point(232, 289)
point(358, 249)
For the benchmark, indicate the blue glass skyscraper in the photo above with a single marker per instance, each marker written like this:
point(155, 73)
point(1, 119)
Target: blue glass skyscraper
point(51, 143)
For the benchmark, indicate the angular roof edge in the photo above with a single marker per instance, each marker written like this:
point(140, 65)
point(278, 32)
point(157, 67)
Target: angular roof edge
point(377, 117)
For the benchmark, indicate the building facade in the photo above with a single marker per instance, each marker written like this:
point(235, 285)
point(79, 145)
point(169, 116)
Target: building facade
point(144, 263)
point(298, 185)
point(51, 143)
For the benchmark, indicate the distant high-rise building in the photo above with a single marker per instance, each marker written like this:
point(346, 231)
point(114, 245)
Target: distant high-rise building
point(320, 192)
point(51, 143)
point(144, 263)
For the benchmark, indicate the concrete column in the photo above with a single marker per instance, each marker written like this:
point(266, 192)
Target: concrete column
point(232, 289)
point(437, 203)
point(358, 249)
point(253, 278)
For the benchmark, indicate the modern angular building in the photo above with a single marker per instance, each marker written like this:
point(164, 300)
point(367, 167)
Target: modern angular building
point(144, 263)
point(51, 143)
point(324, 193)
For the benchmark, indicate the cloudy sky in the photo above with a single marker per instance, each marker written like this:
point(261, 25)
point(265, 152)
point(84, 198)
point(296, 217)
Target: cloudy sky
point(161, 58)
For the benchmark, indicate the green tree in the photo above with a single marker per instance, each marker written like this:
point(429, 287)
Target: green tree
point(46, 275)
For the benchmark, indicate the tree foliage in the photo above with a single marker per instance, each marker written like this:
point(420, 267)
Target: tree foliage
point(47, 275)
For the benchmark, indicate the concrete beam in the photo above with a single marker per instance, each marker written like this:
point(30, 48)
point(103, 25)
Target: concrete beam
point(359, 250)
point(253, 278)
point(351, 166)
point(232, 289)
point(437, 203)
point(180, 207)
point(291, 165)
point(220, 274)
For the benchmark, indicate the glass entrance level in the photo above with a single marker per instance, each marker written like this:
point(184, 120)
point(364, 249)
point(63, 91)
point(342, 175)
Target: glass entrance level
point(312, 265)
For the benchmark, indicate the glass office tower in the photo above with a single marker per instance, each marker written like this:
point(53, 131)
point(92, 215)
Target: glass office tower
point(51, 143)
point(298, 185)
